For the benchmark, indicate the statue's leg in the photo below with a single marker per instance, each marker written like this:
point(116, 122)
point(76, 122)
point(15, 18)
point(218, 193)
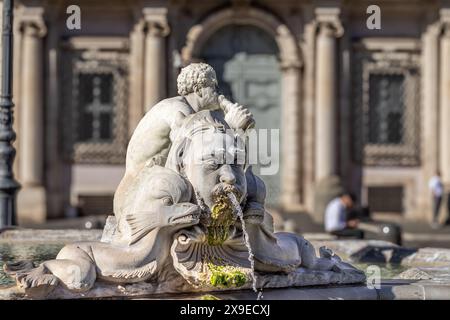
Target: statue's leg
point(74, 267)
point(76, 275)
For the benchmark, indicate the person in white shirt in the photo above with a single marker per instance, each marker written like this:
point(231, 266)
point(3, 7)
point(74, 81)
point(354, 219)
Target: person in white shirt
point(336, 221)
point(437, 191)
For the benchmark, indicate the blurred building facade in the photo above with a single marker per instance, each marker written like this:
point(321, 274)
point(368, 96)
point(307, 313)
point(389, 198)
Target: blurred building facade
point(370, 108)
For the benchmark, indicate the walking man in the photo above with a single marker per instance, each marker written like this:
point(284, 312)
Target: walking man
point(437, 191)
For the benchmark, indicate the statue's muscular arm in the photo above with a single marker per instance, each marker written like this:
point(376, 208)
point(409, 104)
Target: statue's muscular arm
point(150, 142)
point(151, 139)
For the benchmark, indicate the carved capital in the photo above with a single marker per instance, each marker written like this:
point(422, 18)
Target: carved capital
point(445, 29)
point(31, 22)
point(328, 22)
point(157, 29)
point(156, 22)
point(139, 27)
point(443, 25)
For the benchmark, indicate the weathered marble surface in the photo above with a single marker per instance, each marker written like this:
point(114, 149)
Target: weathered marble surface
point(299, 278)
point(397, 289)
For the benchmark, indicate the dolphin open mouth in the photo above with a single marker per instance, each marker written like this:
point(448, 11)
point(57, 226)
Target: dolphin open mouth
point(190, 216)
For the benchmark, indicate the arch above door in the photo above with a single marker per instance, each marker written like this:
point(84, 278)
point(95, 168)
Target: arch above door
point(201, 32)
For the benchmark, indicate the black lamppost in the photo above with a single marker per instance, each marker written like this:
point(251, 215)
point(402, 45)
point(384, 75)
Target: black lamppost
point(8, 185)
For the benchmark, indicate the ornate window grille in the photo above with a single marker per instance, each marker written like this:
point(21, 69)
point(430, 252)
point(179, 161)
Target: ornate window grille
point(95, 106)
point(386, 108)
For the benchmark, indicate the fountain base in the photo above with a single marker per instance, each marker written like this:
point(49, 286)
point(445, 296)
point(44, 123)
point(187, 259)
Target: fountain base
point(177, 285)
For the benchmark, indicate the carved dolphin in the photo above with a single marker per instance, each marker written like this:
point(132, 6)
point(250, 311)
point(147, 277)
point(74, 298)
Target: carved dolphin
point(156, 207)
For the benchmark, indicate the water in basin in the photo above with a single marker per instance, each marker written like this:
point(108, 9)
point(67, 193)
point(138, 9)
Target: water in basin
point(387, 270)
point(17, 251)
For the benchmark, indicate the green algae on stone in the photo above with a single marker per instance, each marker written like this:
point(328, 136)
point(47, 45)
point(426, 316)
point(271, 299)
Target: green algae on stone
point(217, 235)
point(209, 297)
point(222, 218)
point(226, 276)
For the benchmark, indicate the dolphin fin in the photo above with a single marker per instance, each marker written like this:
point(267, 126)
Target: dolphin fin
point(139, 274)
point(141, 223)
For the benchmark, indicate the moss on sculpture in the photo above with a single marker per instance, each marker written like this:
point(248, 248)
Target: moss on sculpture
point(209, 297)
point(226, 276)
point(222, 217)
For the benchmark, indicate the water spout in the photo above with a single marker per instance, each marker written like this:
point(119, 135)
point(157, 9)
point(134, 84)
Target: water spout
point(238, 210)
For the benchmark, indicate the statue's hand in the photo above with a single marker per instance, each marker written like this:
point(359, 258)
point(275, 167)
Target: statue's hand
point(237, 116)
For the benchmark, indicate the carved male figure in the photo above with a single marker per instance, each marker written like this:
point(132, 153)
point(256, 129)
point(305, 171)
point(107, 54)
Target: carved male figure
point(208, 155)
point(151, 141)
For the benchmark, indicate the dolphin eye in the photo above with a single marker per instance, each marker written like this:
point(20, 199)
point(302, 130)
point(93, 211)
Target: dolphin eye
point(167, 201)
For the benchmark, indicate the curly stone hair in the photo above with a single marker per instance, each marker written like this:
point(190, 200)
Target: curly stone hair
point(195, 76)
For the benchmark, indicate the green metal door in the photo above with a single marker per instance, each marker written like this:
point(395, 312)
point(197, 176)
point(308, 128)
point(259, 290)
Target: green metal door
point(245, 59)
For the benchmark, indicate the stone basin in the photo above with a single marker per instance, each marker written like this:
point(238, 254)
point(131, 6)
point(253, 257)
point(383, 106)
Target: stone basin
point(415, 277)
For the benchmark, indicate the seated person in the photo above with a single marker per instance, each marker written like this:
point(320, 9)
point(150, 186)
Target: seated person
point(337, 220)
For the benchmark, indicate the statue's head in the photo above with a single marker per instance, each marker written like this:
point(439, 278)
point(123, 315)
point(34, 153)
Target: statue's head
point(211, 156)
point(199, 79)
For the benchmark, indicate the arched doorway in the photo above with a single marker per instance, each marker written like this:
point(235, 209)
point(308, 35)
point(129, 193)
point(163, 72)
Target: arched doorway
point(268, 29)
point(245, 58)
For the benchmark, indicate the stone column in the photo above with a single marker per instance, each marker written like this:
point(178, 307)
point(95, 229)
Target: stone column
point(327, 183)
point(137, 50)
point(430, 99)
point(155, 56)
point(445, 105)
point(309, 114)
point(291, 167)
point(32, 203)
point(326, 103)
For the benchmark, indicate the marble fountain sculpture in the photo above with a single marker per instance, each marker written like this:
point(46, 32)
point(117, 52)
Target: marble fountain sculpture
point(189, 213)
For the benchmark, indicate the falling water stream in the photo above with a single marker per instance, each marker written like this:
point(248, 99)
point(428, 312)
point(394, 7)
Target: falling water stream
point(238, 210)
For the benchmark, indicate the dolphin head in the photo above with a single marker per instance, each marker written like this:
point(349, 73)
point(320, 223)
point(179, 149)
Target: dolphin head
point(160, 198)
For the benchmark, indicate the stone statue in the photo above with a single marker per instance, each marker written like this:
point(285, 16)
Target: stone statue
point(199, 153)
point(189, 213)
point(152, 138)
